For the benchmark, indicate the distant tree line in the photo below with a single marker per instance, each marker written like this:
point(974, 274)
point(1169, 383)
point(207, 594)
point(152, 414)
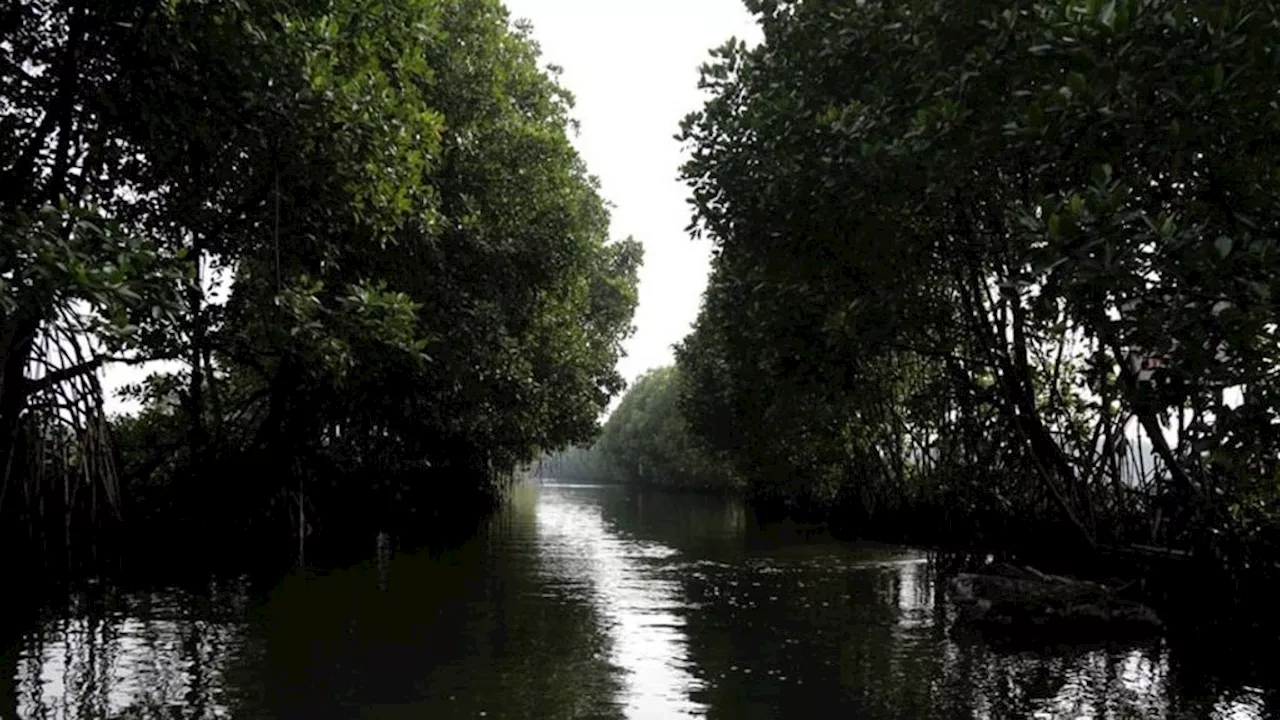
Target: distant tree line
point(575, 464)
point(358, 229)
point(997, 272)
point(646, 441)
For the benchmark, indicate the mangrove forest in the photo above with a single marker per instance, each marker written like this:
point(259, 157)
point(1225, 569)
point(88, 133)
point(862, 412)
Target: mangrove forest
point(978, 415)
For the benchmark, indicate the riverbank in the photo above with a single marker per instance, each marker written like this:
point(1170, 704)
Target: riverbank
point(230, 523)
point(1198, 595)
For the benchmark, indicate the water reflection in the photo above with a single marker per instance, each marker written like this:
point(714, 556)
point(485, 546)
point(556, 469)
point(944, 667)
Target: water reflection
point(146, 655)
point(624, 578)
point(589, 602)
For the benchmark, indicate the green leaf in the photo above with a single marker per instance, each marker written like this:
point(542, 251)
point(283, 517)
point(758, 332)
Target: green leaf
point(1107, 15)
point(1076, 81)
point(1055, 225)
point(1035, 115)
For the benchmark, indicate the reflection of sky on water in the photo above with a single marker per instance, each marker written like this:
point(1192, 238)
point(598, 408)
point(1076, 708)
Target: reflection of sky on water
point(741, 632)
point(1106, 685)
point(1248, 706)
point(915, 594)
point(131, 664)
point(582, 555)
point(1092, 685)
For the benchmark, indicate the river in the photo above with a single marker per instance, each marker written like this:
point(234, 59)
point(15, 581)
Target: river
point(581, 601)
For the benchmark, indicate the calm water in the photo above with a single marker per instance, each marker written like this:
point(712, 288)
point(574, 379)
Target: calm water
point(582, 602)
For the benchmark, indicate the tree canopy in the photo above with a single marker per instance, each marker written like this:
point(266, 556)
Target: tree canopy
point(359, 226)
point(647, 439)
point(1012, 266)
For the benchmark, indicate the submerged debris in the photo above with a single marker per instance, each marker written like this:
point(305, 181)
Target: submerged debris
point(1012, 599)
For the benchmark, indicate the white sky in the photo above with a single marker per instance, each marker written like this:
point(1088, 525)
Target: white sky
point(632, 66)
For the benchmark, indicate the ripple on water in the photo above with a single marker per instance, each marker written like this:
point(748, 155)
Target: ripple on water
point(576, 605)
point(638, 603)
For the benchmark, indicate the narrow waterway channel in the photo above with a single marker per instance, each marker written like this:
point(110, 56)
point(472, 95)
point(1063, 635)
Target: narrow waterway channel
point(582, 601)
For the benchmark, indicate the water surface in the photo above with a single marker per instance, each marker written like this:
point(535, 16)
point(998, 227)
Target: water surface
point(582, 601)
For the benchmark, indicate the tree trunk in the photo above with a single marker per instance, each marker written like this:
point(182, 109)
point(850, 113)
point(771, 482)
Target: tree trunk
point(195, 392)
point(273, 431)
point(15, 351)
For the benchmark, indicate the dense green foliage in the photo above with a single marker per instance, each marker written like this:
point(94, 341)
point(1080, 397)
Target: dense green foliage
point(647, 440)
point(1006, 269)
point(418, 293)
point(574, 464)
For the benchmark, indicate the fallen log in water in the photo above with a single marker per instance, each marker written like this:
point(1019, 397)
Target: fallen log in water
point(1014, 599)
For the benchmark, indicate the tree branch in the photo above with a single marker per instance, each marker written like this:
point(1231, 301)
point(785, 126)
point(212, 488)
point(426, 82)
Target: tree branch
point(81, 369)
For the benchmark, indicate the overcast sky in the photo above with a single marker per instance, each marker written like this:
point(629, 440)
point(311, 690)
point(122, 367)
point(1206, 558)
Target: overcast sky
point(632, 66)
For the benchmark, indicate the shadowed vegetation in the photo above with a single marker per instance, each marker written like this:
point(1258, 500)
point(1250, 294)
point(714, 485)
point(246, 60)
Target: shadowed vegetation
point(1002, 274)
point(357, 232)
